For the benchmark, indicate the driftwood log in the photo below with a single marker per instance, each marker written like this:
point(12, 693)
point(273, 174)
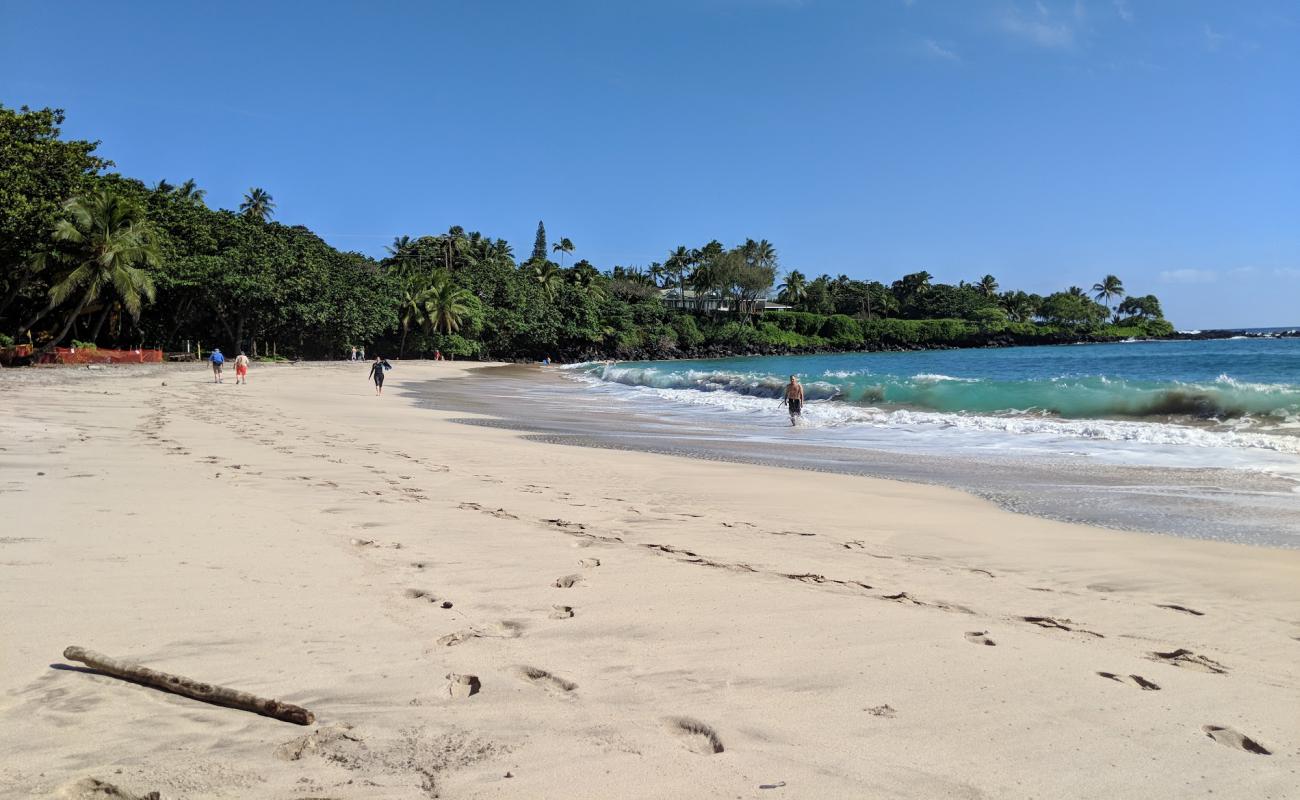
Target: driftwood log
point(188, 687)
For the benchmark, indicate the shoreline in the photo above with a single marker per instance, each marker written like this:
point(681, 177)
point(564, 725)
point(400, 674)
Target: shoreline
point(1204, 502)
point(821, 631)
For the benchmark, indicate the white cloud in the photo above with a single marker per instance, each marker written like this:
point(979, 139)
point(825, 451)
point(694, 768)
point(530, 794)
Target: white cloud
point(1043, 30)
point(1213, 39)
point(933, 48)
point(1287, 272)
point(1125, 13)
point(1189, 276)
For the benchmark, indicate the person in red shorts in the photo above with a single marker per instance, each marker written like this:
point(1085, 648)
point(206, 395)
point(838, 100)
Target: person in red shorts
point(241, 368)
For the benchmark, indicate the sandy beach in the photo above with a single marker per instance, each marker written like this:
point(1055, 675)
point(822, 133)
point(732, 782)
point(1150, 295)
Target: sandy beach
point(636, 625)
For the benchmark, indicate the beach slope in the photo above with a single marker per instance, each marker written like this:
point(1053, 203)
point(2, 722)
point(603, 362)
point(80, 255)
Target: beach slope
point(472, 614)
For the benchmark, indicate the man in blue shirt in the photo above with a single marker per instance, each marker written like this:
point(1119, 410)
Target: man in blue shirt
point(217, 360)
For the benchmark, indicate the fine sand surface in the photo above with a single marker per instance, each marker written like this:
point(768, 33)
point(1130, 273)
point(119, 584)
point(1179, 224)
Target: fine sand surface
point(637, 625)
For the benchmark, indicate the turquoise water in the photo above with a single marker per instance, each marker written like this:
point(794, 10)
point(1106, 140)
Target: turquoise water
point(1238, 384)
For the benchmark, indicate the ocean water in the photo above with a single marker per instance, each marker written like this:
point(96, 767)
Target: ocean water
point(1199, 439)
point(1231, 403)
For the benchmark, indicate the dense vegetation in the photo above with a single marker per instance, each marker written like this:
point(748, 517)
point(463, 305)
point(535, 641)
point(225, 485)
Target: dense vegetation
point(88, 255)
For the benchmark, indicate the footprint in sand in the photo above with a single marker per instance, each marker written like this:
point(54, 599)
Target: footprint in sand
point(1189, 660)
point(698, 737)
point(421, 594)
point(1132, 680)
point(499, 513)
point(1229, 737)
point(1059, 625)
point(980, 637)
point(505, 629)
point(561, 612)
point(544, 679)
point(463, 685)
point(567, 582)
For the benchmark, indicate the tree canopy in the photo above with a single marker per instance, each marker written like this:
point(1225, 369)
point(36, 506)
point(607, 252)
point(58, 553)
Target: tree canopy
point(170, 272)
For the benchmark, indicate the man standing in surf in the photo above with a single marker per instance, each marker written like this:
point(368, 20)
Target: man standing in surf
point(793, 398)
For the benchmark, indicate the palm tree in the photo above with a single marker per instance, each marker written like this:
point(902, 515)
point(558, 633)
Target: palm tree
point(1109, 288)
point(548, 275)
point(446, 304)
point(257, 205)
point(190, 191)
point(563, 247)
point(795, 289)
point(587, 278)
point(1075, 291)
point(163, 187)
point(107, 244)
point(987, 286)
point(704, 280)
point(657, 273)
point(677, 263)
point(400, 246)
point(412, 309)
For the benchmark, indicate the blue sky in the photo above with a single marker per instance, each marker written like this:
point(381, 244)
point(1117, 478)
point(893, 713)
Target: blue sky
point(1045, 142)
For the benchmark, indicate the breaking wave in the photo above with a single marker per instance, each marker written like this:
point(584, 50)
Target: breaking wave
point(1089, 397)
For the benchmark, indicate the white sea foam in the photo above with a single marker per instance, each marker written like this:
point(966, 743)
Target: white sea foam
point(928, 377)
point(1021, 429)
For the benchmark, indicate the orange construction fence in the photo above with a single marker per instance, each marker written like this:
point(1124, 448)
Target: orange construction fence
point(100, 355)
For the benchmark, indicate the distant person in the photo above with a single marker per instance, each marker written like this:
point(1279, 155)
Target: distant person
point(377, 370)
point(546, 362)
point(363, 353)
point(217, 361)
point(793, 398)
point(354, 354)
point(241, 368)
point(437, 355)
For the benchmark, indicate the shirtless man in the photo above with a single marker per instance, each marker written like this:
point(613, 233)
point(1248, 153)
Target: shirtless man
point(241, 368)
point(793, 398)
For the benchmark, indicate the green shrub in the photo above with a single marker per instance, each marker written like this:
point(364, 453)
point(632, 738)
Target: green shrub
point(688, 331)
point(800, 322)
point(842, 331)
point(6, 340)
point(80, 345)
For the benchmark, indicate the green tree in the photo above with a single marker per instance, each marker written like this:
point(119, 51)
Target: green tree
point(795, 289)
point(446, 304)
point(1109, 288)
point(563, 247)
point(549, 277)
point(745, 275)
point(39, 172)
point(909, 288)
point(1072, 310)
point(679, 261)
point(1145, 307)
point(987, 286)
point(257, 205)
point(190, 192)
point(539, 244)
point(106, 244)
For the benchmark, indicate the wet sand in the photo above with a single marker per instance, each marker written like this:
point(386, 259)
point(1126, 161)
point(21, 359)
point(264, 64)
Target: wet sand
point(635, 624)
point(1233, 505)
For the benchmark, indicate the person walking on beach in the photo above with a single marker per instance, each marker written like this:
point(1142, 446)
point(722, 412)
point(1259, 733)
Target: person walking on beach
point(377, 374)
point(241, 368)
point(354, 354)
point(793, 398)
point(217, 361)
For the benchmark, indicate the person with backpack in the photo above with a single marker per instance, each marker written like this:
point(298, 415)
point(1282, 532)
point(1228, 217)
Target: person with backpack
point(217, 360)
